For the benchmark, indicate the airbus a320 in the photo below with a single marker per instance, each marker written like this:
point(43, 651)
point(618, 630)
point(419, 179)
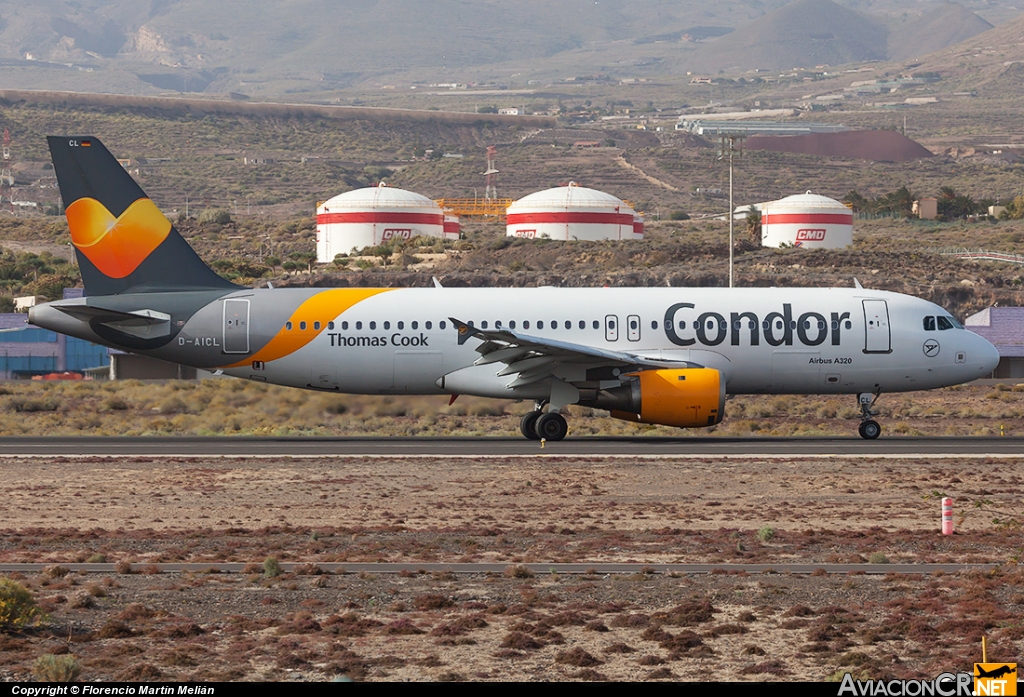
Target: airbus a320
point(648, 355)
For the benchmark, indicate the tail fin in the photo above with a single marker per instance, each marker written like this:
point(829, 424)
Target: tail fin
point(122, 240)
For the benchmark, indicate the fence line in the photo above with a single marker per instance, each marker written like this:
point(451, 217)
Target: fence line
point(965, 253)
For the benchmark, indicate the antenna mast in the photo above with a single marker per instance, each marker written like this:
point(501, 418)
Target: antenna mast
point(491, 174)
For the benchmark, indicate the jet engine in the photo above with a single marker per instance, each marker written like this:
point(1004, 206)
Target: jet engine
point(688, 398)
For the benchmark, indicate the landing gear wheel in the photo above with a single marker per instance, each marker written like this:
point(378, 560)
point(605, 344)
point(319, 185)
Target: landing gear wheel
point(528, 425)
point(869, 430)
point(552, 427)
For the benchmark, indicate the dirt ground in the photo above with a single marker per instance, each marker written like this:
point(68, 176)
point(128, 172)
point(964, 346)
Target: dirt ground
point(142, 625)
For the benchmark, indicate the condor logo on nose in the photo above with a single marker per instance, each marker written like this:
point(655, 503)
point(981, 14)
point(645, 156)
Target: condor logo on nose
point(116, 246)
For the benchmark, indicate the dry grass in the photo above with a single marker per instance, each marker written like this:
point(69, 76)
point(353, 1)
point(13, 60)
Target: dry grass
point(236, 407)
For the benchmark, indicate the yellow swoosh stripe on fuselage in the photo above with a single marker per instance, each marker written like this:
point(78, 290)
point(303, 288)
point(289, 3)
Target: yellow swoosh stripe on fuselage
point(322, 307)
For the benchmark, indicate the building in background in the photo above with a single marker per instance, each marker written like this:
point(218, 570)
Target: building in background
point(1004, 328)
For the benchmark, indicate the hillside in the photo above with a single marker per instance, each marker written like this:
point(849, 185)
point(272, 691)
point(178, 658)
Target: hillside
point(321, 48)
point(805, 33)
point(934, 30)
point(990, 63)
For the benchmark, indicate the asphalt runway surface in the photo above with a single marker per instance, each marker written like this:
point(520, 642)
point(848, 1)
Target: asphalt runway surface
point(496, 447)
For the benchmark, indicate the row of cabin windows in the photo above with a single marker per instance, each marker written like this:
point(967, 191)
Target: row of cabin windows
point(372, 325)
point(303, 325)
point(765, 325)
point(929, 324)
point(943, 323)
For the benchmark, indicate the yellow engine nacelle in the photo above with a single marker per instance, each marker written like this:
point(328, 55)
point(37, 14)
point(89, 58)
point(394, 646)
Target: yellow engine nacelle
point(687, 398)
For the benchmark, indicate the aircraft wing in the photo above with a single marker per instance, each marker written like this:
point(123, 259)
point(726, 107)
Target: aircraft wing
point(535, 358)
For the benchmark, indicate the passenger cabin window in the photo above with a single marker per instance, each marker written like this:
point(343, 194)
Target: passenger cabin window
point(359, 325)
point(568, 324)
point(428, 324)
point(597, 325)
point(288, 326)
point(330, 325)
point(401, 325)
point(316, 325)
point(512, 324)
point(387, 325)
point(929, 324)
point(443, 325)
point(526, 324)
point(344, 325)
point(415, 325)
point(373, 325)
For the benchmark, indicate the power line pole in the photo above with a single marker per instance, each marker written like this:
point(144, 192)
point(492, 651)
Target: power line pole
point(730, 144)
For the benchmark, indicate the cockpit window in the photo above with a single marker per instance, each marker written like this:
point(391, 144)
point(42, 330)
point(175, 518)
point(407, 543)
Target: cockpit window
point(945, 323)
point(929, 324)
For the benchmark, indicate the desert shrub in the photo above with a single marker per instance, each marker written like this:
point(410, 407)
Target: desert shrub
point(577, 657)
point(518, 571)
point(766, 533)
point(50, 668)
point(56, 571)
point(18, 607)
point(26, 405)
point(878, 558)
point(271, 567)
point(432, 601)
point(217, 216)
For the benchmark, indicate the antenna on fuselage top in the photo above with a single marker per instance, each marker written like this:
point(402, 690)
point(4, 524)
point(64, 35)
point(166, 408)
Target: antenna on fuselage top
point(437, 283)
point(856, 284)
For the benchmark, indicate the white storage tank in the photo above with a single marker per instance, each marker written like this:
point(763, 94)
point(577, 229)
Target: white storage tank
point(371, 216)
point(452, 226)
point(806, 220)
point(573, 213)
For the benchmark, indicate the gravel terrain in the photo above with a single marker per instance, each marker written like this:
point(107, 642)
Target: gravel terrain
point(142, 625)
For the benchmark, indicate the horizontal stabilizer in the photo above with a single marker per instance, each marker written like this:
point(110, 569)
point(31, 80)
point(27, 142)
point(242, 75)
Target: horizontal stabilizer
point(141, 323)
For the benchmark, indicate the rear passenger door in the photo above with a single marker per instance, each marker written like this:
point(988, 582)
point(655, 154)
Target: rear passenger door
point(633, 327)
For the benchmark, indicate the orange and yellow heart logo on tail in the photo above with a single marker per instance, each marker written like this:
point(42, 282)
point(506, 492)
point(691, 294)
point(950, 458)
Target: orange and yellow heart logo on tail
point(116, 245)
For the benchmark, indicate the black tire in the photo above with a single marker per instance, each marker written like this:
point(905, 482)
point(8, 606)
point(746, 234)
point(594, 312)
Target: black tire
point(528, 425)
point(870, 430)
point(552, 427)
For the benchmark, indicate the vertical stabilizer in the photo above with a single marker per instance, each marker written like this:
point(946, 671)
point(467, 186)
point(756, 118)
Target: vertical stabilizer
point(122, 240)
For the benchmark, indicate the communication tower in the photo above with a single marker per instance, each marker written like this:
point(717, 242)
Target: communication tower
point(7, 174)
point(491, 175)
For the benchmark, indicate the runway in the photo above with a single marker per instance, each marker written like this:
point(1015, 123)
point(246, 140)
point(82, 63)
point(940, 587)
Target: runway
point(503, 447)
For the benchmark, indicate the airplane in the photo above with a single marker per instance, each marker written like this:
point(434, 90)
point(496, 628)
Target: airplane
point(647, 355)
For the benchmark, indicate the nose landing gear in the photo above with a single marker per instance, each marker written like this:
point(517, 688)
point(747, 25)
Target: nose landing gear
point(869, 428)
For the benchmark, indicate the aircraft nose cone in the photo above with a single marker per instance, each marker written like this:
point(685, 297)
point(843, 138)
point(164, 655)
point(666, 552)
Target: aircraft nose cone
point(990, 358)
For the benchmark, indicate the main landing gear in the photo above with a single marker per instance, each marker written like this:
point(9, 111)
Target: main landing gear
point(549, 426)
point(869, 428)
